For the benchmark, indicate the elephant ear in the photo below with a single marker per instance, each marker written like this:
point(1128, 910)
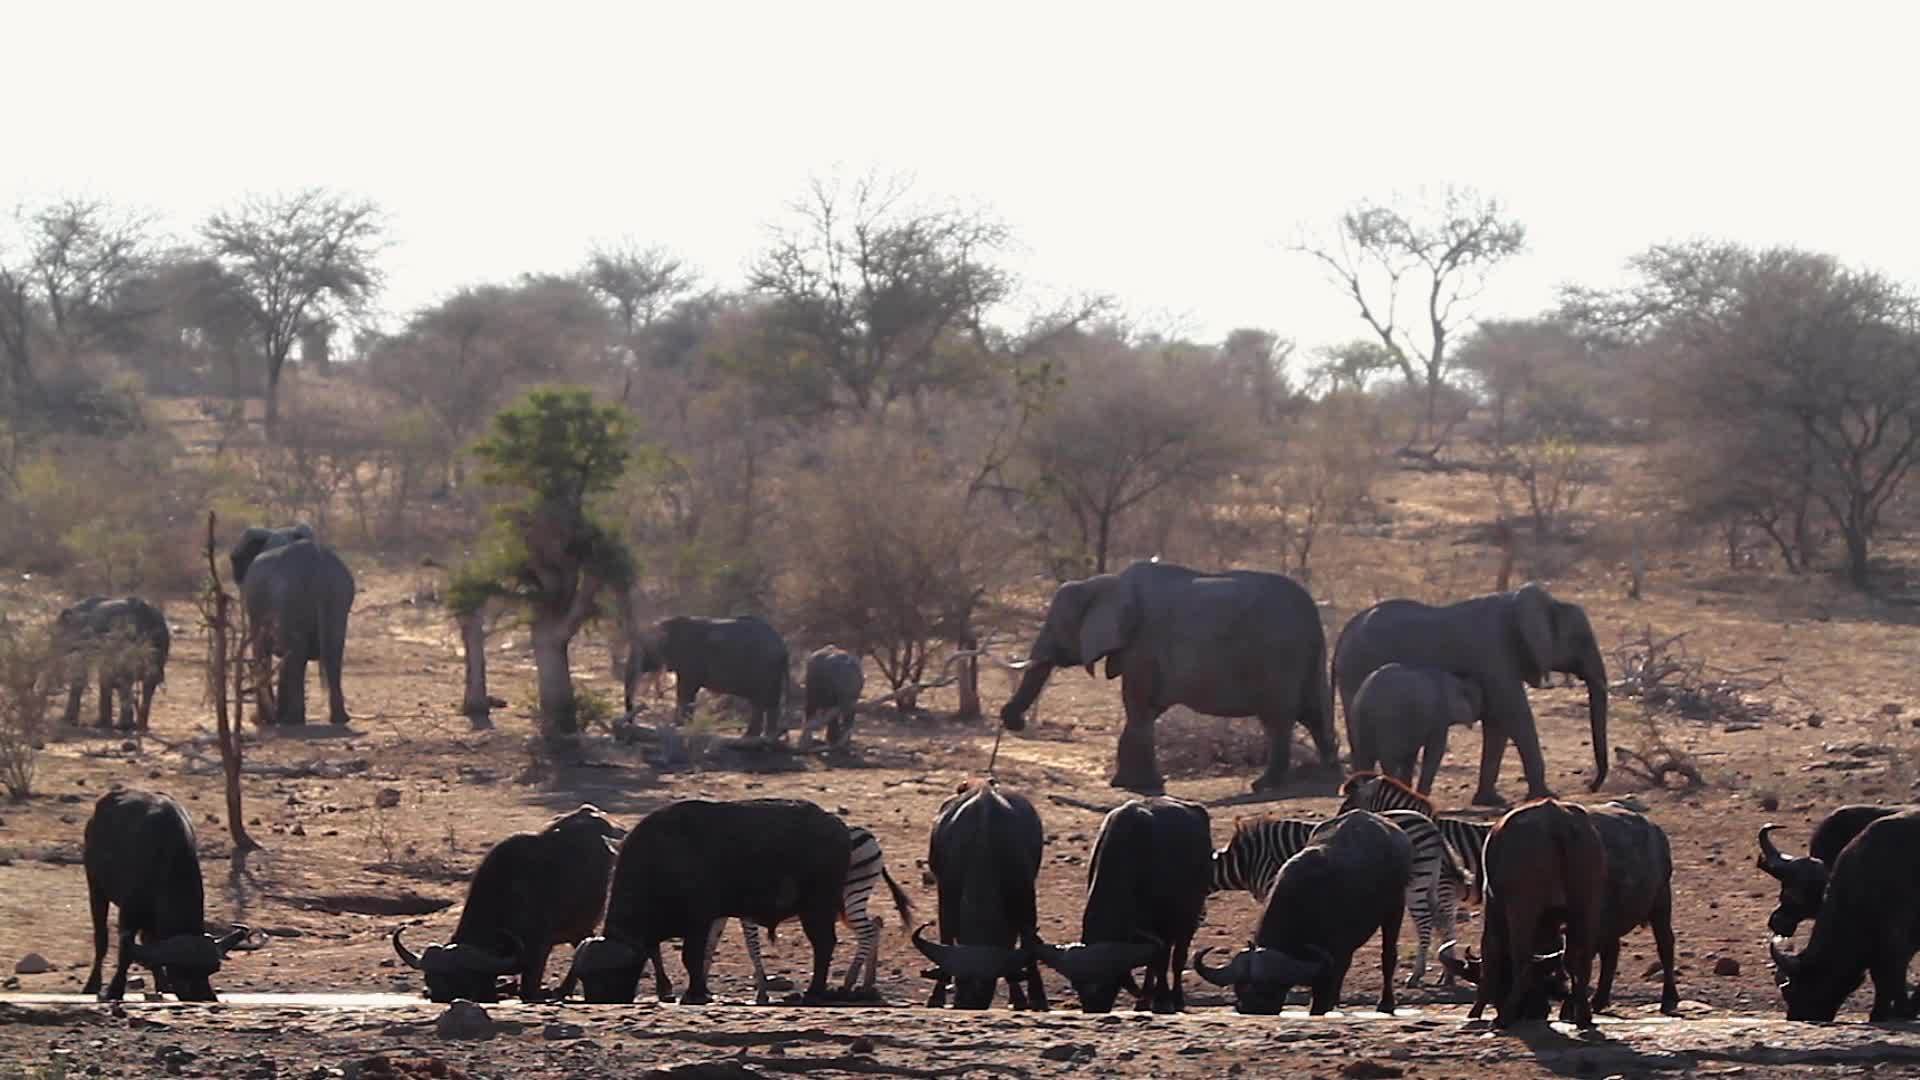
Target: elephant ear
point(1533, 624)
point(252, 542)
point(1108, 623)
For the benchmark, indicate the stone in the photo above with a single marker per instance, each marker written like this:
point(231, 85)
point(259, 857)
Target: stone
point(387, 799)
point(464, 1020)
point(32, 964)
point(1075, 1052)
point(1370, 1070)
point(558, 1031)
point(860, 1045)
point(1726, 965)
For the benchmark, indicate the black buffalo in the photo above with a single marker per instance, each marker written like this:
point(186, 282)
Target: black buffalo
point(1868, 924)
point(1146, 890)
point(531, 892)
point(1546, 879)
point(1638, 891)
point(141, 857)
point(1803, 881)
point(1326, 901)
point(694, 862)
point(984, 852)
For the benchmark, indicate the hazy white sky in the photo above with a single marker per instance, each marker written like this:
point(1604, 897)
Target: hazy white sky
point(1161, 153)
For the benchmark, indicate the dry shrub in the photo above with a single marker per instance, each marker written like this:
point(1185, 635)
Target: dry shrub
point(1192, 746)
point(890, 555)
point(29, 677)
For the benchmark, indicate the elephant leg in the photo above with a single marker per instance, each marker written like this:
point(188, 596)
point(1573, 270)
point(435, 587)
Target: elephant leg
point(1493, 746)
point(147, 688)
point(104, 715)
point(1279, 728)
point(74, 690)
point(124, 689)
point(1138, 766)
point(292, 701)
point(1430, 756)
point(684, 692)
point(332, 661)
point(1526, 740)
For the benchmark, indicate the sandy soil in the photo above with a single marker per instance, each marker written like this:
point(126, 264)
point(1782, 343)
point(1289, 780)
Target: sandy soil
point(394, 811)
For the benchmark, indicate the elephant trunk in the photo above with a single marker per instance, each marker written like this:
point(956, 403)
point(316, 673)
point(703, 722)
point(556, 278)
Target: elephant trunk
point(1014, 713)
point(1594, 674)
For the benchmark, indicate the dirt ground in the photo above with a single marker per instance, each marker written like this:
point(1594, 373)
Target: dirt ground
point(379, 824)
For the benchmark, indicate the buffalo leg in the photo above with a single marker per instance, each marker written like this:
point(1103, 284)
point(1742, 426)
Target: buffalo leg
point(117, 989)
point(534, 972)
point(662, 986)
point(1036, 990)
point(938, 998)
point(1662, 920)
point(1609, 966)
point(1278, 724)
point(1180, 958)
point(819, 928)
point(97, 901)
point(1578, 1008)
point(1389, 960)
point(1889, 972)
point(684, 692)
point(695, 942)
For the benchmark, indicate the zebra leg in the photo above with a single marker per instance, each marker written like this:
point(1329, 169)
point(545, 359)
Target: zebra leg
point(752, 935)
point(865, 934)
point(1420, 907)
point(1446, 915)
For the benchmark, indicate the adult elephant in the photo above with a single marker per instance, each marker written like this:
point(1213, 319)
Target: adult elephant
point(1235, 643)
point(297, 594)
point(742, 656)
point(1506, 641)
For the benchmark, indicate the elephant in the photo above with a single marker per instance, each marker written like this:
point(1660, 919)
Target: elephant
point(742, 656)
point(1505, 642)
point(298, 594)
point(1233, 643)
point(834, 682)
point(127, 640)
point(1401, 711)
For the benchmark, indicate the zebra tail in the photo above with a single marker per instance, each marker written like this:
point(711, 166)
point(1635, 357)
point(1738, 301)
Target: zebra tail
point(902, 903)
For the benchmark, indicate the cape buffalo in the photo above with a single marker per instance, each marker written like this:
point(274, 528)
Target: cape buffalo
point(984, 852)
point(1803, 881)
point(531, 892)
point(1868, 924)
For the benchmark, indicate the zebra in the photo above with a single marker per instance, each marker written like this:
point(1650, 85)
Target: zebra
point(1467, 840)
point(865, 867)
point(1260, 845)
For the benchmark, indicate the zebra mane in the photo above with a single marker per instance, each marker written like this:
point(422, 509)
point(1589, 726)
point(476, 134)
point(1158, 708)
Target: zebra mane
point(1253, 823)
point(1357, 779)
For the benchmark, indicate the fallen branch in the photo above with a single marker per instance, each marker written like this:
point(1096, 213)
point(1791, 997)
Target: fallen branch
point(948, 678)
point(1083, 804)
point(853, 1064)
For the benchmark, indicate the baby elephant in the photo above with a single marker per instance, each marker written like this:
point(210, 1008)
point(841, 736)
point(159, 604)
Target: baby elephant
point(1401, 711)
point(126, 641)
point(834, 681)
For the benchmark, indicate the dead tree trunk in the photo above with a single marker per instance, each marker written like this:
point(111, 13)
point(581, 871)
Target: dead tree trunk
point(217, 614)
point(473, 645)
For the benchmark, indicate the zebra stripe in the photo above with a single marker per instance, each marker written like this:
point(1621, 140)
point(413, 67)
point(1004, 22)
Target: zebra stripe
point(1259, 846)
point(1466, 843)
point(864, 869)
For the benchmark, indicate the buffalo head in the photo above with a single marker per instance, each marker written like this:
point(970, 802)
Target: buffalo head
point(460, 970)
point(976, 970)
point(1803, 884)
point(1097, 971)
point(189, 960)
point(608, 971)
point(1261, 976)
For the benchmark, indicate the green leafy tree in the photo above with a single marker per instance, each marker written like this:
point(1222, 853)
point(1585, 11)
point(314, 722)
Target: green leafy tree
point(556, 449)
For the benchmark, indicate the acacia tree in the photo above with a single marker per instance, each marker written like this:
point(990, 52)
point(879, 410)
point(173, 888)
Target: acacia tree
point(1129, 425)
point(1797, 376)
point(299, 259)
point(638, 285)
point(884, 297)
point(66, 289)
point(1411, 271)
point(555, 450)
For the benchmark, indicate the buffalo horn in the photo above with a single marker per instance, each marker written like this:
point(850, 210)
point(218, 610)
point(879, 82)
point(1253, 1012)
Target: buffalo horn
point(970, 961)
point(233, 938)
point(1784, 962)
point(407, 956)
point(1273, 965)
point(1107, 960)
point(1466, 968)
point(1770, 858)
point(1548, 958)
point(1226, 974)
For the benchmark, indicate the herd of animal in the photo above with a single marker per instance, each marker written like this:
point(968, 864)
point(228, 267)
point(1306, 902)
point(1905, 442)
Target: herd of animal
point(1559, 882)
